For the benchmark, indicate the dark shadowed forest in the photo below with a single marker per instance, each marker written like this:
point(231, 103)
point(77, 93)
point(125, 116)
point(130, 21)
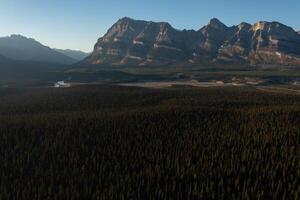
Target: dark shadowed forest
point(113, 142)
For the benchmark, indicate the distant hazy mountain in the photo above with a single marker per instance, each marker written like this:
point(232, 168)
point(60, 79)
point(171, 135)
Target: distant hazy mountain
point(143, 43)
point(18, 47)
point(77, 55)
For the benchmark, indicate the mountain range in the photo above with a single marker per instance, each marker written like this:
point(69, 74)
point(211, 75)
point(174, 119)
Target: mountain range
point(147, 43)
point(20, 48)
point(132, 42)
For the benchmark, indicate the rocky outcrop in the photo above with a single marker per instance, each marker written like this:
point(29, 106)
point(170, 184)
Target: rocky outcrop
point(142, 43)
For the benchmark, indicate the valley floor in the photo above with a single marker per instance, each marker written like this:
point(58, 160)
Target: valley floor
point(121, 142)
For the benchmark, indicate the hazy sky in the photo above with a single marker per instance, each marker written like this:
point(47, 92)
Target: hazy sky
point(77, 24)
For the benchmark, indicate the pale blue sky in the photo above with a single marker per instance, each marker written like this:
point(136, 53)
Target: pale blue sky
point(77, 24)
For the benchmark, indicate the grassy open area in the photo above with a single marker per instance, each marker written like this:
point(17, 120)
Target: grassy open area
point(47, 76)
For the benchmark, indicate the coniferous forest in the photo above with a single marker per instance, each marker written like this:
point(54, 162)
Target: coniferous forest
point(113, 142)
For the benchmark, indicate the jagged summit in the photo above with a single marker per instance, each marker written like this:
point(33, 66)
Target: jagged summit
point(127, 19)
point(138, 42)
point(18, 36)
point(18, 40)
point(214, 22)
point(244, 25)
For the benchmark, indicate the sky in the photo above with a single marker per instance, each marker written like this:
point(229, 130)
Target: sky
point(77, 24)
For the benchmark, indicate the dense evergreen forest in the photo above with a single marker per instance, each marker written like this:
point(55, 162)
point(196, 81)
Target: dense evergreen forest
point(113, 142)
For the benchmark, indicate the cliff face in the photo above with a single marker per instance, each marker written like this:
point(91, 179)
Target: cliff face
point(142, 43)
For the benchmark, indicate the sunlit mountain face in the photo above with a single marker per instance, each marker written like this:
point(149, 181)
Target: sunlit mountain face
point(146, 43)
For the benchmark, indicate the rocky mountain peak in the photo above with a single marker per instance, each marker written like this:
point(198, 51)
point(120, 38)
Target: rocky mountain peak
point(244, 25)
point(275, 30)
point(126, 19)
point(261, 25)
point(17, 36)
point(165, 25)
point(271, 26)
point(124, 30)
point(215, 23)
point(215, 29)
point(17, 41)
point(137, 42)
